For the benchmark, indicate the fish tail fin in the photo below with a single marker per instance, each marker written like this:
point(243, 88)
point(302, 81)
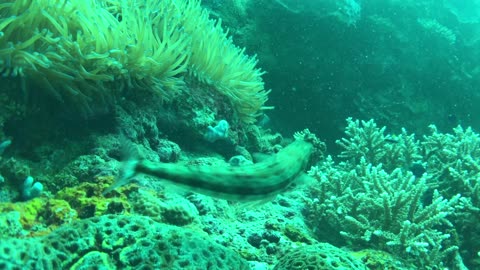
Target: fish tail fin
point(125, 175)
point(128, 167)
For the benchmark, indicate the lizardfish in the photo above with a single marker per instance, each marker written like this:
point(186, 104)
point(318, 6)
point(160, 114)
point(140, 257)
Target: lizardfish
point(247, 183)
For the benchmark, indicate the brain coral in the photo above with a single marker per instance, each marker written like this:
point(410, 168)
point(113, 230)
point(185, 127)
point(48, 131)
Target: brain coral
point(321, 256)
point(114, 241)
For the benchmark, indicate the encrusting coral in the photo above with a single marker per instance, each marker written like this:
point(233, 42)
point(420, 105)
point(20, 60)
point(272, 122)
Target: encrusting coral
point(71, 203)
point(83, 52)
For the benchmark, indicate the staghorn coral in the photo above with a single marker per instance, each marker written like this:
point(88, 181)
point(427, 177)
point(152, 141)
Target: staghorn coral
point(367, 140)
point(83, 53)
point(373, 198)
point(382, 210)
point(454, 160)
point(454, 167)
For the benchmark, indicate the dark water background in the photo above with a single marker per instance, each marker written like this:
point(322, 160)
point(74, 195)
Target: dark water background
point(403, 63)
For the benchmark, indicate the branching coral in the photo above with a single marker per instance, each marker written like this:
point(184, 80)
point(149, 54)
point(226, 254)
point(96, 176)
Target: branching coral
point(367, 140)
point(383, 210)
point(81, 52)
point(454, 167)
point(373, 198)
point(454, 161)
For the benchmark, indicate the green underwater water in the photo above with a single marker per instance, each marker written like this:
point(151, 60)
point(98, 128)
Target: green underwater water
point(389, 180)
point(403, 63)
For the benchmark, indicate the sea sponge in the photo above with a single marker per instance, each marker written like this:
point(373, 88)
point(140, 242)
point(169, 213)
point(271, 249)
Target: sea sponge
point(84, 52)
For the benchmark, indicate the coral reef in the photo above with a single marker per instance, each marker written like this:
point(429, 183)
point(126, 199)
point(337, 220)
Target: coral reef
point(71, 203)
point(380, 260)
point(368, 141)
point(321, 256)
point(87, 199)
point(83, 80)
point(30, 212)
point(373, 198)
point(10, 225)
point(380, 203)
point(453, 167)
point(131, 242)
point(153, 205)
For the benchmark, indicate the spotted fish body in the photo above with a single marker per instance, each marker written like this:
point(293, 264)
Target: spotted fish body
point(258, 181)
